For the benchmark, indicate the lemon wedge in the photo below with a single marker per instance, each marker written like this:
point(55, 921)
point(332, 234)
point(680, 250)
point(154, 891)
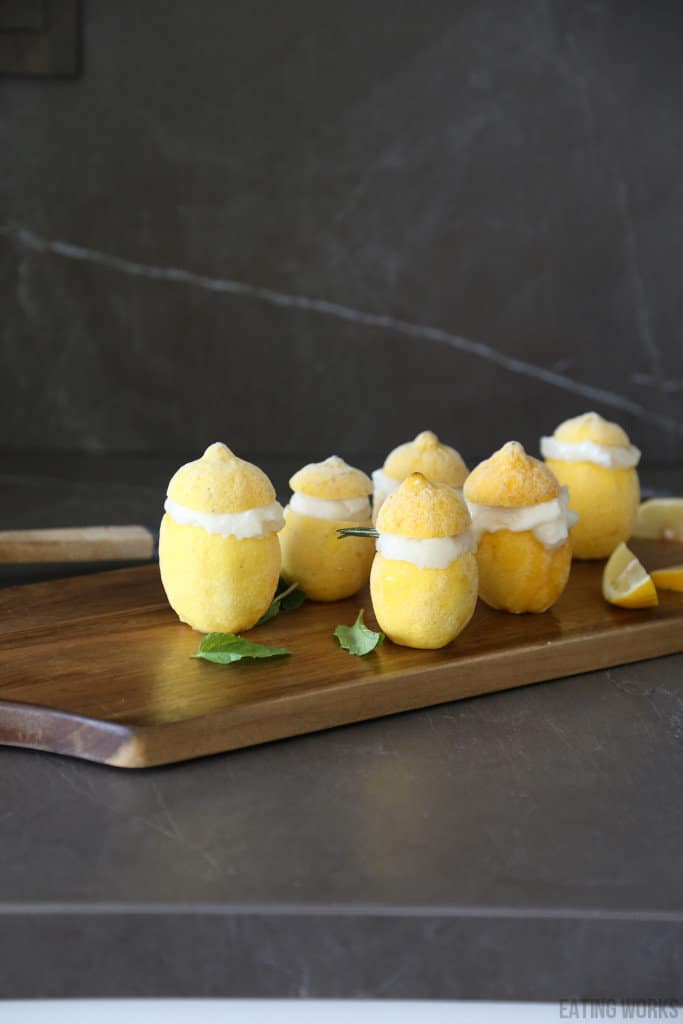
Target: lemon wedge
point(670, 578)
point(625, 582)
point(660, 519)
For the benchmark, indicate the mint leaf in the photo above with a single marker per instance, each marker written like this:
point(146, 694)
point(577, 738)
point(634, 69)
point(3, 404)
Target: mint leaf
point(358, 639)
point(287, 599)
point(357, 531)
point(224, 648)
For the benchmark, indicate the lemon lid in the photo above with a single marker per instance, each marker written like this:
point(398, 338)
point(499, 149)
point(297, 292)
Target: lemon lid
point(332, 480)
point(421, 509)
point(511, 479)
point(591, 426)
point(220, 482)
point(427, 455)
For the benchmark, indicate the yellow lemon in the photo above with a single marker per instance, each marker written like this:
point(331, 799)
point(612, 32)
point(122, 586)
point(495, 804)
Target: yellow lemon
point(425, 454)
point(519, 515)
point(219, 555)
point(518, 574)
point(596, 461)
point(625, 582)
point(423, 582)
point(327, 496)
point(660, 519)
point(670, 578)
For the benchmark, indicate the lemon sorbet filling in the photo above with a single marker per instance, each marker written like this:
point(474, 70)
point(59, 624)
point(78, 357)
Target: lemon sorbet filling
point(425, 454)
point(597, 461)
point(253, 522)
point(327, 496)
point(426, 552)
point(424, 575)
point(549, 521)
point(353, 509)
point(521, 519)
point(219, 555)
point(607, 456)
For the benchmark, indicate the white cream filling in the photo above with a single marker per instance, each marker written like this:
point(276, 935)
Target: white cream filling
point(253, 522)
point(355, 510)
point(609, 456)
point(549, 521)
point(430, 553)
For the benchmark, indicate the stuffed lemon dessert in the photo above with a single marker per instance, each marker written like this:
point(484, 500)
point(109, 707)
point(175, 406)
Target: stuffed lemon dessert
point(521, 520)
point(424, 576)
point(327, 496)
point(597, 461)
point(425, 454)
point(219, 554)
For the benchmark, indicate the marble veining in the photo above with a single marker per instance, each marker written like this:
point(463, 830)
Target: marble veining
point(28, 239)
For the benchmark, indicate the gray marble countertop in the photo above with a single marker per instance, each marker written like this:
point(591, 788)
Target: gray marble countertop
point(525, 845)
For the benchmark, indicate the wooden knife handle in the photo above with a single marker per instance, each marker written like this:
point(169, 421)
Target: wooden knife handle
point(76, 544)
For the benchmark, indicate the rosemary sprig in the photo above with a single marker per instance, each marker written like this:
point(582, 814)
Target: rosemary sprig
point(357, 531)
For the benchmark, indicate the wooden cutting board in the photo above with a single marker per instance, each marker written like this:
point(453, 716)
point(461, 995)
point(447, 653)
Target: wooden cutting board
point(99, 667)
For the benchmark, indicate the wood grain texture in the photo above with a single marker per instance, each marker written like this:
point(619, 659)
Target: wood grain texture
point(76, 544)
point(98, 667)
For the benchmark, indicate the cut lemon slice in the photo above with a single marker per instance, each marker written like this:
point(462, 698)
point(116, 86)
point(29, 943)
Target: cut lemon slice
point(625, 582)
point(660, 519)
point(670, 578)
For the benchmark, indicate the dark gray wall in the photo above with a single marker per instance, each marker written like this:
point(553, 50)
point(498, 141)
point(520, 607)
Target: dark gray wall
point(308, 226)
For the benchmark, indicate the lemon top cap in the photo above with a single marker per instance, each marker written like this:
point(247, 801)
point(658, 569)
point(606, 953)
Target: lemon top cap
point(511, 479)
point(591, 426)
point(332, 480)
point(426, 454)
point(220, 482)
point(422, 510)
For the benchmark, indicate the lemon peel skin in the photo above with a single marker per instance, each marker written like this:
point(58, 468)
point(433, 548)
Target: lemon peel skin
point(217, 584)
point(423, 608)
point(325, 566)
point(519, 574)
point(606, 501)
point(668, 579)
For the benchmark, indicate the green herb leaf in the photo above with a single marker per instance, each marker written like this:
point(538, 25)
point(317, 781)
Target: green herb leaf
point(224, 648)
point(292, 598)
point(357, 531)
point(288, 597)
point(358, 639)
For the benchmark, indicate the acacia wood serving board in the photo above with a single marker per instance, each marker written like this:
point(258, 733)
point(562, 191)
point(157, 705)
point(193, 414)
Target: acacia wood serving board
point(98, 667)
